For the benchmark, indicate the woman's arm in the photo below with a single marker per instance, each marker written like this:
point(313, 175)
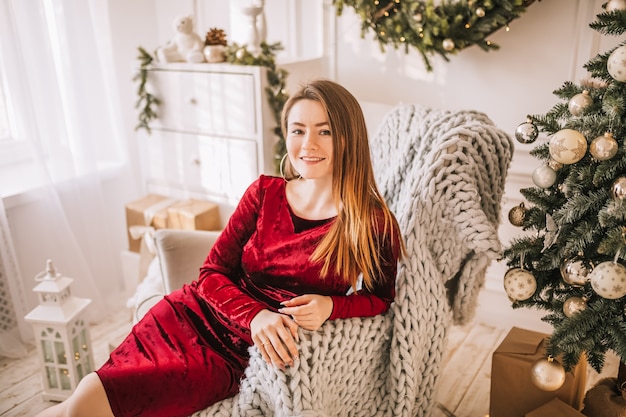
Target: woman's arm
point(218, 282)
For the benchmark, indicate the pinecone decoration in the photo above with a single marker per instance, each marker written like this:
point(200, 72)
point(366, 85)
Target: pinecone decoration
point(215, 36)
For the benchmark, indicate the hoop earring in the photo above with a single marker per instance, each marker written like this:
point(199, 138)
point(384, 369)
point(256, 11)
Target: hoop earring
point(281, 169)
point(280, 166)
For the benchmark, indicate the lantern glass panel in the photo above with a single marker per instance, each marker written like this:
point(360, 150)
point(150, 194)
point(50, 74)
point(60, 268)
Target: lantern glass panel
point(48, 355)
point(51, 377)
point(76, 347)
point(83, 339)
point(65, 379)
point(60, 351)
point(79, 371)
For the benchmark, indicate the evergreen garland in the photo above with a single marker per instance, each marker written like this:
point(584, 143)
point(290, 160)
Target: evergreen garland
point(587, 223)
point(146, 102)
point(443, 29)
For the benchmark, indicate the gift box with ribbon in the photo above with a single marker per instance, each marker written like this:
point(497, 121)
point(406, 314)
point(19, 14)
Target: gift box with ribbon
point(143, 216)
point(513, 393)
point(193, 214)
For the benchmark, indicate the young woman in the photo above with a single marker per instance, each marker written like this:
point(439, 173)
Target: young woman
point(317, 244)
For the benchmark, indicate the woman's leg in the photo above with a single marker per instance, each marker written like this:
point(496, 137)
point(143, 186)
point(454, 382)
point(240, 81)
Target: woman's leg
point(88, 400)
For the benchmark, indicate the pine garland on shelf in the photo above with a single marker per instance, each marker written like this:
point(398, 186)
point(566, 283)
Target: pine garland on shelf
point(146, 102)
point(444, 29)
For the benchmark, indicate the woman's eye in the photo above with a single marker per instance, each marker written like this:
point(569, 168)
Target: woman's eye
point(296, 132)
point(325, 133)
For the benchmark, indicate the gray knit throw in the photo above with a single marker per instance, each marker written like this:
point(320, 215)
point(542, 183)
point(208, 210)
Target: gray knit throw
point(442, 174)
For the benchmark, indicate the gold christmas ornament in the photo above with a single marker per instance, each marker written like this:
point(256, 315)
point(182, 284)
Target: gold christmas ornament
point(480, 12)
point(579, 103)
point(616, 64)
point(608, 280)
point(555, 165)
point(618, 189)
point(544, 176)
point(568, 146)
point(517, 215)
point(448, 44)
point(547, 374)
point(574, 305)
point(519, 284)
point(603, 147)
point(575, 271)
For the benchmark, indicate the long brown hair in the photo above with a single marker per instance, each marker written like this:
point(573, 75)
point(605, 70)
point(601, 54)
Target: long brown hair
point(354, 241)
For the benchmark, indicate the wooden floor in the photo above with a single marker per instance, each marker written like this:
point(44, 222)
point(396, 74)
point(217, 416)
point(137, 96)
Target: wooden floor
point(463, 386)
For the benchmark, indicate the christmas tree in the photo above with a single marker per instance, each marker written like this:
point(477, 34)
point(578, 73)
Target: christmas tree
point(571, 259)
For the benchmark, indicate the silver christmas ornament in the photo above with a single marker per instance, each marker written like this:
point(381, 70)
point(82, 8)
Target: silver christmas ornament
point(579, 103)
point(574, 305)
point(618, 189)
point(575, 271)
point(603, 147)
point(526, 132)
point(544, 176)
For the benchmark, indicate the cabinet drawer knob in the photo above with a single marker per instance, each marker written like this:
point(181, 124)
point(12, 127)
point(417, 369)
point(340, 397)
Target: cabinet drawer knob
point(193, 101)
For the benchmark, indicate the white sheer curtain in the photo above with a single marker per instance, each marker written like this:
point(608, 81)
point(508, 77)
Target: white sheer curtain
point(66, 174)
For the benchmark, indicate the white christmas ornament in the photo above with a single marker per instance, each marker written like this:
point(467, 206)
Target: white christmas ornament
point(608, 280)
point(519, 284)
point(544, 176)
point(616, 64)
point(568, 146)
point(613, 5)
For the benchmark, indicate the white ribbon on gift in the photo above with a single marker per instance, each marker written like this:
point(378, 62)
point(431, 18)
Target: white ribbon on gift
point(147, 232)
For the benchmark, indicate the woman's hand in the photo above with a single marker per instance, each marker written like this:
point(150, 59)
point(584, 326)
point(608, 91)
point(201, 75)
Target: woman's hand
point(310, 311)
point(275, 335)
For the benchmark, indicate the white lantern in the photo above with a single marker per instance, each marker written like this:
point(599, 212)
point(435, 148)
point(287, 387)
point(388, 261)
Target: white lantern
point(61, 334)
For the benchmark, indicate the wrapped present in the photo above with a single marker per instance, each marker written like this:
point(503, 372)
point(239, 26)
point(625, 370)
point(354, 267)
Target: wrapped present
point(513, 394)
point(193, 215)
point(148, 211)
point(554, 408)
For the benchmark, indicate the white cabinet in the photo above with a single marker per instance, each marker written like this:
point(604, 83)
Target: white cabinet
point(214, 134)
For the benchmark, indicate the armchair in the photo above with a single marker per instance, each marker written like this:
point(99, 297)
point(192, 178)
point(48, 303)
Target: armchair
point(443, 175)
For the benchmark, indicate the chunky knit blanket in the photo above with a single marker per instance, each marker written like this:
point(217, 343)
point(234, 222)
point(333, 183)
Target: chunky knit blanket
point(443, 175)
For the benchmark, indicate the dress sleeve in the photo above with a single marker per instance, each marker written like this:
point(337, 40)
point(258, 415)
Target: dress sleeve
point(364, 303)
point(218, 282)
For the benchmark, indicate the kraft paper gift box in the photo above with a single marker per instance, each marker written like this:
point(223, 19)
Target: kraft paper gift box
point(149, 210)
point(554, 408)
point(513, 393)
point(193, 214)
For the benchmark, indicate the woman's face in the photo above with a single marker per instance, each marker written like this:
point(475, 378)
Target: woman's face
point(309, 140)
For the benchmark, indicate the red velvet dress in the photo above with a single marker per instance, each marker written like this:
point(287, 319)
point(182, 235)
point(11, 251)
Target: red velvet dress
point(190, 350)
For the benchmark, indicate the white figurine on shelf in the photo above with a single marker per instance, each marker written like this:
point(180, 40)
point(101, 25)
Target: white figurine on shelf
point(186, 46)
